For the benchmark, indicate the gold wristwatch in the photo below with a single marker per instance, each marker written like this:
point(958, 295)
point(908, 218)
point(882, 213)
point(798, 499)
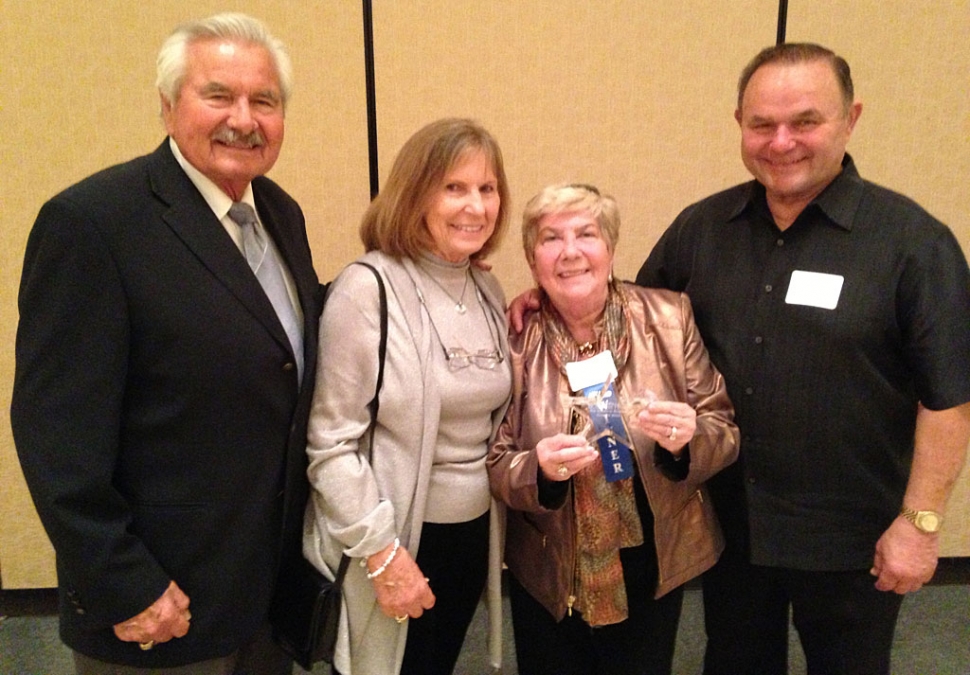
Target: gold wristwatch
point(925, 521)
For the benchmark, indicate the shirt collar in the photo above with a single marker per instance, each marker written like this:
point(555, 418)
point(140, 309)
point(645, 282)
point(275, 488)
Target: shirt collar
point(838, 201)
point(748, 199)
point(217, 200)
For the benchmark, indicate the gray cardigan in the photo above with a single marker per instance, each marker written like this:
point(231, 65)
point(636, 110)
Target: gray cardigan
point(363, 498)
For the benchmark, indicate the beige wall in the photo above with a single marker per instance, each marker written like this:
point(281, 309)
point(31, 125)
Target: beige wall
point(637, 102)
point(634, 96)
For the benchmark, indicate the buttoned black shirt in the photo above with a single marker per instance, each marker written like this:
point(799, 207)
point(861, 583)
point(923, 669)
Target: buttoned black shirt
point(825, 369)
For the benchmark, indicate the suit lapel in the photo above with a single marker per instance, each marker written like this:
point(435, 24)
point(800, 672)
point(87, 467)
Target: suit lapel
point(191, 219)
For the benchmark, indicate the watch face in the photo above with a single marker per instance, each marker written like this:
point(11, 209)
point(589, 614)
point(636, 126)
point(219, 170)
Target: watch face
point(929, 521)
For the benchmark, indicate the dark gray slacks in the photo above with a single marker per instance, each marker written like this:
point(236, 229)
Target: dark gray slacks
point(260, 656)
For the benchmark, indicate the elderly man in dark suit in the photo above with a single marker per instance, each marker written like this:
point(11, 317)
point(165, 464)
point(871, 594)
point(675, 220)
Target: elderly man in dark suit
point(162, 383)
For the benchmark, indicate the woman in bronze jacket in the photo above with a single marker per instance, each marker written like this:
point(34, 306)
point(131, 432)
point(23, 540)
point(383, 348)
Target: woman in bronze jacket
point(600, 539)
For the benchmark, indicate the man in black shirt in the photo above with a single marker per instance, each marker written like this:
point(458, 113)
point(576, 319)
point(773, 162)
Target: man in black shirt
point(839, 313)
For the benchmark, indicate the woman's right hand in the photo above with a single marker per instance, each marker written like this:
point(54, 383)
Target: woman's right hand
point(563, 455)
point(402, 589)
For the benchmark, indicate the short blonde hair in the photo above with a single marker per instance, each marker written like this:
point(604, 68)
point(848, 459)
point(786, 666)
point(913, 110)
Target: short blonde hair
point(394, 221)
point(570, 198)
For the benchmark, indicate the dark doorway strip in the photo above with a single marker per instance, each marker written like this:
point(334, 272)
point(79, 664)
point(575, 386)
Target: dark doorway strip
point(782, 21)
point(371, 97)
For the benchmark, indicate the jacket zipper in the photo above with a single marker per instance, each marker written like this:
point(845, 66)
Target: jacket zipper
point(571, 597)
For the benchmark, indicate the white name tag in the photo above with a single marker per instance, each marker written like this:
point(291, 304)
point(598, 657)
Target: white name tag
point(595, 370)
point(814, 289)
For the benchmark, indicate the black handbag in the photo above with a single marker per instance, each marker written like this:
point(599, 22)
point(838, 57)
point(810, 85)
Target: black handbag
point(305, 612)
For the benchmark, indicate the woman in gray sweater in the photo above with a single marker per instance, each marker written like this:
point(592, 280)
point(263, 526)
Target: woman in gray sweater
point(414, 508)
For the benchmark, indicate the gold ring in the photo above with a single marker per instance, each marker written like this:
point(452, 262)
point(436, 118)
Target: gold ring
point(673, 433)
point(562, 470)
point(145, 646)
point(401, 619)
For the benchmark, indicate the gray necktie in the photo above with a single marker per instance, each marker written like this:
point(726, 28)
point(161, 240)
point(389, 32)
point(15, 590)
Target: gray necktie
point(268, 268)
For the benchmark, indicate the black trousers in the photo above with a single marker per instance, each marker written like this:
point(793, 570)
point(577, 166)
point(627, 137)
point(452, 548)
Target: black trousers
point(455, 559)
point(845, 625)
point(641, 645)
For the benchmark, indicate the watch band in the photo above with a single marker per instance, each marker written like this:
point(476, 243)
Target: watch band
point(925, 521)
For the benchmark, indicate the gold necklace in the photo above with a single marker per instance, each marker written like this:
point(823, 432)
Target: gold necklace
point(590, 347)
point(587, 349)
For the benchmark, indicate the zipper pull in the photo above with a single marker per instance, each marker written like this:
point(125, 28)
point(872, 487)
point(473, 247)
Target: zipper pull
point(569, 604)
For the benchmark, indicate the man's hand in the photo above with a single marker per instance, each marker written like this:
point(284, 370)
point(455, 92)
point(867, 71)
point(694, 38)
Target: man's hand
point(166, 618)
point(520, 305)
point(905, 558)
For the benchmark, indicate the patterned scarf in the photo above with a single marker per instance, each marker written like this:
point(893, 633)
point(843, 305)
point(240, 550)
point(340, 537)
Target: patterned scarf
point(613, 336)
point(606, 513)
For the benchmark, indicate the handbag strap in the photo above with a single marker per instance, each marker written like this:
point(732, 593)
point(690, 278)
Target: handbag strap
point(375, 403)
point(338, 579)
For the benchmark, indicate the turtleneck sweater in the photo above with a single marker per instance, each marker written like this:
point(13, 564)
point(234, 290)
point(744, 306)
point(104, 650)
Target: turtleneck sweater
point(459, 489)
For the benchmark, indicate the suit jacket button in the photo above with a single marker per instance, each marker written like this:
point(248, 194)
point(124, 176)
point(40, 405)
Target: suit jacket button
point(288, 366)
point(74, 600)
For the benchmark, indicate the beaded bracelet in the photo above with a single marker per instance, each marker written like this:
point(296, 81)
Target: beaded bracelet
point(390, 556)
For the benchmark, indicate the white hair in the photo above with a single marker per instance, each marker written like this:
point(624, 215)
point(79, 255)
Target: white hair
point(171, 63)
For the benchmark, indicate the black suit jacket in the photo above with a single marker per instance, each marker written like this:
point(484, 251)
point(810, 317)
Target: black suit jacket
point(156, 408)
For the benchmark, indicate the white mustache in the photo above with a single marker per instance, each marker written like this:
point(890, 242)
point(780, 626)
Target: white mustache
point(253, 139)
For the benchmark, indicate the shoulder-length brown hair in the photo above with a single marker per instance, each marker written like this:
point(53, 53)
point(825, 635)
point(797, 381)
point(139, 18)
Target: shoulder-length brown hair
point(394, 221)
